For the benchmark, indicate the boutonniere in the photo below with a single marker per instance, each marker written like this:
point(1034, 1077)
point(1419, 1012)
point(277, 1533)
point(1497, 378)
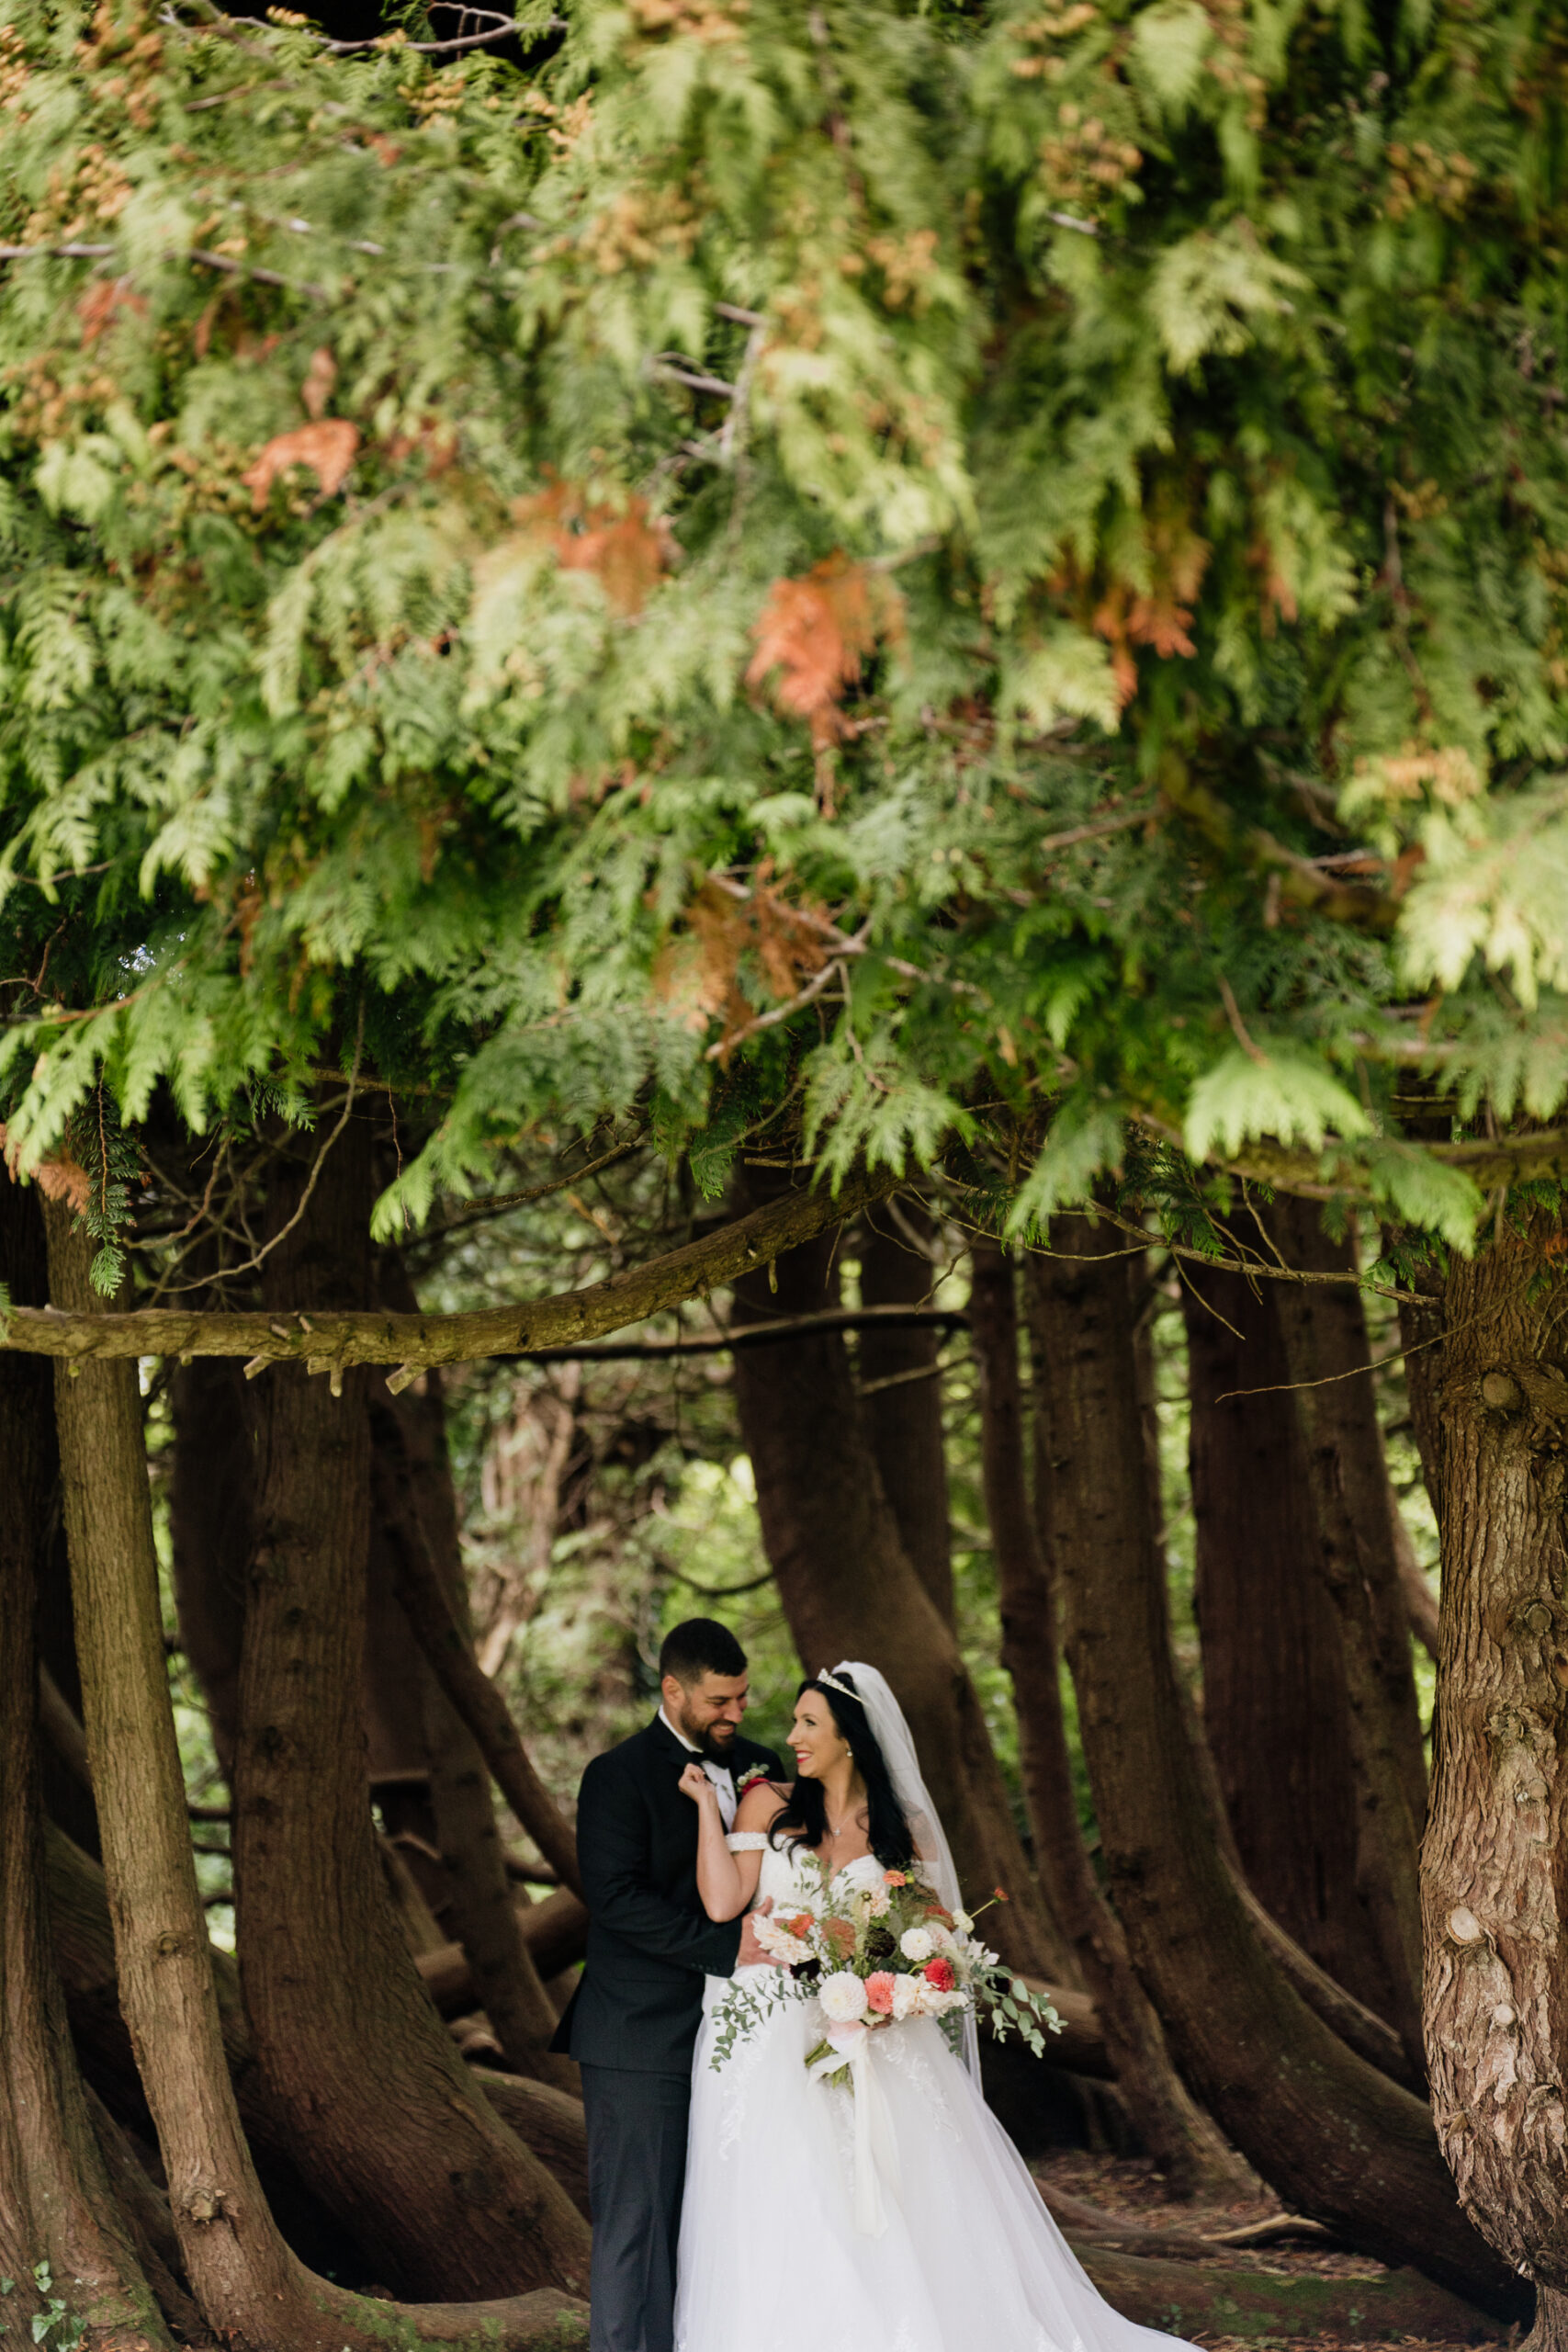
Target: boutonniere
point(752, 1773)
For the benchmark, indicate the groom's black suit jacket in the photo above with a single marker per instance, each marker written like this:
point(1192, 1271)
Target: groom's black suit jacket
point(650, 1943)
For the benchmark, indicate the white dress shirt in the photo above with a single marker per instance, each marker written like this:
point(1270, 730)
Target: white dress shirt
point(721, 1775)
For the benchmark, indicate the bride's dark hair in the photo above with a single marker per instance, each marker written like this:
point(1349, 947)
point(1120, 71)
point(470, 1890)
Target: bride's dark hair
point(803, 1821)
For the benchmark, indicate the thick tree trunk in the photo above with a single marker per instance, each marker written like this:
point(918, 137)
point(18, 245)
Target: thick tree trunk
point(251, 2290)
point(1335, 2138)
point(1493, 1867)
point(386, 2124)
point(1203, 2299)
point(1275, 1711)
point(82, 1942)
point(212, 1529)
point(1173, 2128)
point(481, 1911)
point(1324, 1332)
point(901, 1395)
point(849, 1589)
point(57, 2204)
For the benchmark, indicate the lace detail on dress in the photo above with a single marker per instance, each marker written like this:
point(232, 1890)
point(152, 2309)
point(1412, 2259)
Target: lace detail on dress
point(901, 2049)
point(747, 1841)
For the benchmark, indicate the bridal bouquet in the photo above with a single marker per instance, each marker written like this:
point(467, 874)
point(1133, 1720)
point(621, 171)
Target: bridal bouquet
point(872, 1957)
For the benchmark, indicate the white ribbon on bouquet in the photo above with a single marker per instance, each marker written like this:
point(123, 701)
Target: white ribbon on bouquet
point(876, 2151)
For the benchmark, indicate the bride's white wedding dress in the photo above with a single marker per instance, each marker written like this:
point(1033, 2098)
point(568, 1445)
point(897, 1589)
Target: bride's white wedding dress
point(771, 2259)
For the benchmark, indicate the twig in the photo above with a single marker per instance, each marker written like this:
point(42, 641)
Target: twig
point(846, 944)
point(1238, 1026)
point(681, 372)
point(1096, 830)
point(268, 1247)
point(724, 1047)
point(722, 1592)
point(244, 269)
point(759, 1335)
point(475, 1213)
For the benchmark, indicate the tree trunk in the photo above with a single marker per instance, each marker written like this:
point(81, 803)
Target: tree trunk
point(481, 1912)
point(1176, 2133)
point(212, 1529)
point(849, 1589)
point(386, 2125)
point(1275, 1710)
point(1492, 1866)
point(1334, 2137)
point(1324, 1332)
point(523, 1585)
point(903, 1417)
point(1203, 2300)
point(251, 2290)
point(57, 2205)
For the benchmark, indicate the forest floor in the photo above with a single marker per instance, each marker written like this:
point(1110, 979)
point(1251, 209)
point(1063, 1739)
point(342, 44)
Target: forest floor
point(1157, 2261)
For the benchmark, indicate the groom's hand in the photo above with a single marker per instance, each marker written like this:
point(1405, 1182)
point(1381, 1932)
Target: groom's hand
point(751, 1954)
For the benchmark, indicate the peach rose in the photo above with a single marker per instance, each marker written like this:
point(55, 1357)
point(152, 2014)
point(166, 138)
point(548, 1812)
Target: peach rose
point(879, 1991)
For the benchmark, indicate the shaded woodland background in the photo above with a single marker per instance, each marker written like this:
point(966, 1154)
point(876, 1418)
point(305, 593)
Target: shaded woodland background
point(1145, 1544)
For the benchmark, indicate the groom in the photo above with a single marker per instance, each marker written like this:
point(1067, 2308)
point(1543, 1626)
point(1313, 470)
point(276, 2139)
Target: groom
point(633, 2019)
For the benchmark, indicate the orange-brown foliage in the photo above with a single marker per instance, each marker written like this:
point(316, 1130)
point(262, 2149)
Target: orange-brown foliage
point(328, 449)
point(626, 551)
point(698, 975)
point(61, 1179)
point(814, 633)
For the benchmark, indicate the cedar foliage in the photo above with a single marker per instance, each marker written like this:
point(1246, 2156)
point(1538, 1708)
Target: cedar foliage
point(454, 507)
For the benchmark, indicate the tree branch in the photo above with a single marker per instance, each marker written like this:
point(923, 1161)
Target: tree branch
point(329, 1342)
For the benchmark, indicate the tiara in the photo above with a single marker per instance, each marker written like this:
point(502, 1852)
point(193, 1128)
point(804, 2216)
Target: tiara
point(831, 1682)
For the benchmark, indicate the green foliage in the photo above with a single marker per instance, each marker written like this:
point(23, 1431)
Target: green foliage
point(54, 2325)
point(666, 562)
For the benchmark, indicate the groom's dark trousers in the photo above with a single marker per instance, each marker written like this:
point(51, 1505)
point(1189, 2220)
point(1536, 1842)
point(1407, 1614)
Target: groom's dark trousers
point(633, 2020)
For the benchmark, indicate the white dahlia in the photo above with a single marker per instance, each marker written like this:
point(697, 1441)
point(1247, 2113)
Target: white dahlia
point(843, 1996)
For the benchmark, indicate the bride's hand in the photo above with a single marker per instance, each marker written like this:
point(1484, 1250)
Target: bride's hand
point(694, 1783)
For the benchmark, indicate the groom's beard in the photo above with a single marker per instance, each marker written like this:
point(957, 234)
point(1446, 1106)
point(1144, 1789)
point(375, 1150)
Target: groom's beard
point(717, 1750)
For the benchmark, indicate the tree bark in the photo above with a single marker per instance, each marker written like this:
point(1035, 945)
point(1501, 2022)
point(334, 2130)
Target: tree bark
point(251, 2290)
point(1324, 1332)
point(57, 2204)
point(903, 1419)
point(1420, 1601)
point(419, 1340)
point(476, 1702)
point(481, 1912)
point(1174, 2129)
point(385, 2122)
point(1492, 1866)
point(212, 1530)
point(849, 1589)
point(1275, 1710)
point(1203, 2298)
point(82, 1943)
point(1334, 2137)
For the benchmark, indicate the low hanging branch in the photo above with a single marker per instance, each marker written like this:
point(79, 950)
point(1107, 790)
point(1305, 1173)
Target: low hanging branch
point(473, 1696)
point(330, 1342)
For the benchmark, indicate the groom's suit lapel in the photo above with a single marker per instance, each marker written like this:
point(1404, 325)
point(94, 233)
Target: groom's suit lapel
point(676, 1816)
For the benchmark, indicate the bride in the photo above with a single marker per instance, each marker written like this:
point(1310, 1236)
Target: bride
point(959, 2251)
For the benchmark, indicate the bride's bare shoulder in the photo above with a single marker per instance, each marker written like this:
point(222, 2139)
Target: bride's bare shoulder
point(761, 1804)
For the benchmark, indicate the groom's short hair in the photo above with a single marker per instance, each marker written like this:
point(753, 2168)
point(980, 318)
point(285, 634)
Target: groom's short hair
point(702, 1645)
